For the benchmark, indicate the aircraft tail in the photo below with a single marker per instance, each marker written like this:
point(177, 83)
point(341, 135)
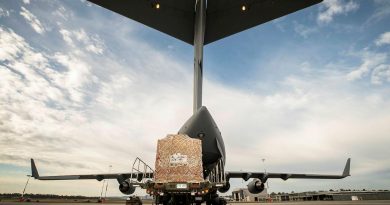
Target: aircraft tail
point(347, 168)
point(34, 171)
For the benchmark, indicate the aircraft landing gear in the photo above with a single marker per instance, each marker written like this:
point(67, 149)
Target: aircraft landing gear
point(218, 201)
point(186, 199)
point(214, 199)
point(183, 199)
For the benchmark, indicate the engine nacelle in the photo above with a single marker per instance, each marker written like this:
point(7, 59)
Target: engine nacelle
point(225, 188)
point(126, 187)
point(255, 186)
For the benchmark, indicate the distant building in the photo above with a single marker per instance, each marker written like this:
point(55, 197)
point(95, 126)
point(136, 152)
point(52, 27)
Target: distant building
point(244, 195)
point(333, 196)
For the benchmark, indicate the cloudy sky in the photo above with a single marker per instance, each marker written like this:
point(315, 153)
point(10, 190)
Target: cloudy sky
point(82, 88)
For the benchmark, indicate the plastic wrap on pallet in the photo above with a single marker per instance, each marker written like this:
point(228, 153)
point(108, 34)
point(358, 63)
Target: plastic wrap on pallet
point(178, 159)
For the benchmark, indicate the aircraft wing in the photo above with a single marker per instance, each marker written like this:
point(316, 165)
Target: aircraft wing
point(263, 176)
point(119, 176)
point(224, 17)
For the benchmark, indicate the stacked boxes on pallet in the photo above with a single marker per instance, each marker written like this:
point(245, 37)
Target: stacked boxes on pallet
point(179, 159)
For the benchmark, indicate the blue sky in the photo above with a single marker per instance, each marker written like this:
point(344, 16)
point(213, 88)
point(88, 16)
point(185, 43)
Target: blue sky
point(82, 88)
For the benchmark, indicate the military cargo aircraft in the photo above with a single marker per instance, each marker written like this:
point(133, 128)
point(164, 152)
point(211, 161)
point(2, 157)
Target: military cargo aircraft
point(198, 23)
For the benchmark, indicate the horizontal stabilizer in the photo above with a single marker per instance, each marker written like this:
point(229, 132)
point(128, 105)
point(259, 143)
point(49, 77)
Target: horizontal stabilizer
point(223, 17)
point(172, 17)
point(228, 17)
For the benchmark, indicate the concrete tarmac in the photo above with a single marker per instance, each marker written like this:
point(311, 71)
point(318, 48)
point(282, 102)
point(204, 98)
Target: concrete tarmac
point(373, 202)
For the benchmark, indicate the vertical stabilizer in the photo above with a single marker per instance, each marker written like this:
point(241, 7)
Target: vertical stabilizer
point(199, 32)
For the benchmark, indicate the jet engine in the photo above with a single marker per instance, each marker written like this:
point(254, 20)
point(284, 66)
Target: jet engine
point(126, 187)
point(225, 188)
point(255, 186)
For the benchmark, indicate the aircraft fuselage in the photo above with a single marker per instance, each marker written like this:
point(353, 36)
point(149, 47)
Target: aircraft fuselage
point(201, 125)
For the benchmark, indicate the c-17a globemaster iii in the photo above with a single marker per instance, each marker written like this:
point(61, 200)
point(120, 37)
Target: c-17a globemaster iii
point(199, 22)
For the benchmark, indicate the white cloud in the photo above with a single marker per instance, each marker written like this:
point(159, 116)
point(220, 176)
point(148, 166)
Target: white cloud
point(332, 8)
point(63, 13)
point(373, 62)
point(303, 30)
point(382, 11)
point(94, 49)
point(66, 35)
point(370, 61)
point(4, 13)
point(26, 1)
point(383, 39)
point(78, 75)
point(93, 44)
point(11, 44)
point(32, 20)
point(33, 92)
point(381, 74)
point(37, 88)
point(306, 119)
point(87, 3)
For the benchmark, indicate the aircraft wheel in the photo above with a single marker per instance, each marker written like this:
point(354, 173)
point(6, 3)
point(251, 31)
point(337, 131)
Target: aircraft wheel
point(222, 201)
point(218, 201)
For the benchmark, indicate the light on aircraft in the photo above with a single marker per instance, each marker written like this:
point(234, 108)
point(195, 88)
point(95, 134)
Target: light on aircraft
point(243, 8)
point(157, 6)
